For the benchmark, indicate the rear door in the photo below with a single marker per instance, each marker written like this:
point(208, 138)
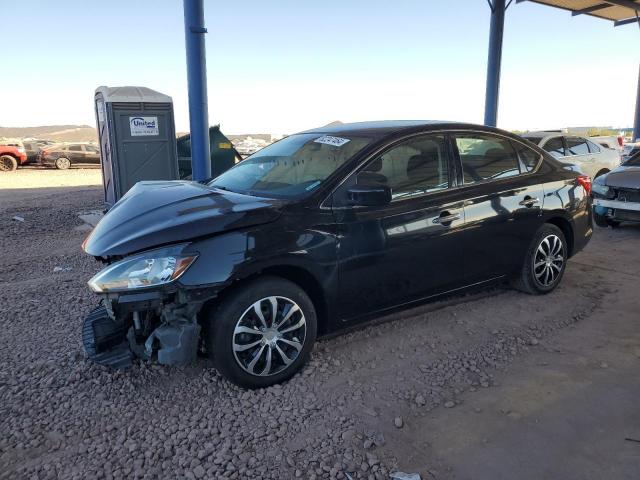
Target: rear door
point(410, 248)
point(92, 154)
point(579, 154)
point(75, 153)
point(503, 202)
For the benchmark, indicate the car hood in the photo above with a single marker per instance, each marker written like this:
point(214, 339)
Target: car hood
point(159, 213)
point(623, 177)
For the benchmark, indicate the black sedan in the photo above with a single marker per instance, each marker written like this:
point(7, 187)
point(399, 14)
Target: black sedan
point(64, 155)
point(320, 231)
point(617, 194)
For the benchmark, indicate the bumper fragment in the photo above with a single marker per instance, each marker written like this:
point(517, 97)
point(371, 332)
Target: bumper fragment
point(105, 341)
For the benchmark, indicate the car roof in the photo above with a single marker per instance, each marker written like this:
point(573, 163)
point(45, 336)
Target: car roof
point(386, 127)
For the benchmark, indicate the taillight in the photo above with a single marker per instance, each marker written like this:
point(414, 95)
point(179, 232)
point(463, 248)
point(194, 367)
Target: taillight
point(585, 181)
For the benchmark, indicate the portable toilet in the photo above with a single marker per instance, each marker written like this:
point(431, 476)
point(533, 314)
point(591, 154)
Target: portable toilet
point(137, 138)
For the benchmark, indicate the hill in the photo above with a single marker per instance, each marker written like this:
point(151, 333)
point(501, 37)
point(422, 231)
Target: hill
point(58, 133)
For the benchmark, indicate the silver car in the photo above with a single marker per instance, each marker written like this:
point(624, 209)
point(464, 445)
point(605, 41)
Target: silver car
point(592, 159)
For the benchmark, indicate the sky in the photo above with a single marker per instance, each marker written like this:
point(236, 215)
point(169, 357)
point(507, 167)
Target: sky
point(282, 66)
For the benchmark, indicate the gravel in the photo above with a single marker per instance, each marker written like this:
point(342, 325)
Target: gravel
point(65, 417)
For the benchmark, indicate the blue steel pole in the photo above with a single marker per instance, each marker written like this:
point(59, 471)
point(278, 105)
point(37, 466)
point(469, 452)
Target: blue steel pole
point(493, 65)
point(636, 122)
point(194, 31)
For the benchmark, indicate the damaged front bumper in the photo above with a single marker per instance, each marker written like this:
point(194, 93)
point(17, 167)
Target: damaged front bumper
point(153, 324)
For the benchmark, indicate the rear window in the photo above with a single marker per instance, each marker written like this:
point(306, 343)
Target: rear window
point(593, 148)
point(555, 147)
point(577, 146)
point(528, 158)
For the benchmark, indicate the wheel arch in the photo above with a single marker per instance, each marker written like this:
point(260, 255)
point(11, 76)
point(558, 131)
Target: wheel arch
point(296, 274)
point(567, 230)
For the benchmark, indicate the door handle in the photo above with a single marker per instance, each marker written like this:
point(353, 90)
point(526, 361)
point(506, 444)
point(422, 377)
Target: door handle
point(446, 217)
point(529, 202)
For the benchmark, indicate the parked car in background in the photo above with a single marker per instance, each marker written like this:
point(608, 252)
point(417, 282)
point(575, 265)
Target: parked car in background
point(630, 149)
point(610, 141)
point(322, 230)
point(33, 148)
point(592, 159)
point(616, 195)
point(62, 156)
point(11, 156)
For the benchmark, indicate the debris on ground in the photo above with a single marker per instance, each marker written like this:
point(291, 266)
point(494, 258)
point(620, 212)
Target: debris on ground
point(18, 218)
point(405, 476)
point(62, 269)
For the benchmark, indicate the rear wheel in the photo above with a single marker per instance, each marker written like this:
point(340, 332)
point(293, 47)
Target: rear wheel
point(604, 222)
point(8, 163)
point(544, 263)
point(63, 163)
point(262, 333)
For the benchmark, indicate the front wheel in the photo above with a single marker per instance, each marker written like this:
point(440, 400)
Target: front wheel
point(63, 163)
point(262, 333)
point(544, 263)
point(8, 163)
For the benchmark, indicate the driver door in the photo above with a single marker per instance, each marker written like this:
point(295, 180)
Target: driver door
point(409, 249)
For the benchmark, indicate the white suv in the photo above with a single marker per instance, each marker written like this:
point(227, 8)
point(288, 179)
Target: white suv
point(592, 159)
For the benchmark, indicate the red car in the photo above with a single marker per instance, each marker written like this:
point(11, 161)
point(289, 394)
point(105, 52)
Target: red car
point(11, 156)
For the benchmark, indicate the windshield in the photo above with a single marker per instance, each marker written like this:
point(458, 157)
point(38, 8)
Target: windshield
point(292, 167)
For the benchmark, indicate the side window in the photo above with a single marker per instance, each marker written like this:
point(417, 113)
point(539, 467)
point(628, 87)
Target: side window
point(75, 148)
point(528, 158)
point(485, 157)
point(577, 146)
point(555, 147)
point(593, 148)
point(414, 167)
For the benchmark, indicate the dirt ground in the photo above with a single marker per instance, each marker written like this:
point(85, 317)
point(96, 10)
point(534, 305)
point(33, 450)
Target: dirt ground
point(493, 385)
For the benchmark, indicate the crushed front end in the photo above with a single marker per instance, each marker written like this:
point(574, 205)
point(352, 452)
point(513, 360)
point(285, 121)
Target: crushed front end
point(144, 312)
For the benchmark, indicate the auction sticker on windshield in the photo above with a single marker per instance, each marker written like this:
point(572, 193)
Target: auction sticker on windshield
point(329, 140)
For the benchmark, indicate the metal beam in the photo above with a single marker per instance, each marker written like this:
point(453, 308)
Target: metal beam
point(627, 21)
point(636, 122)
point(593, 8)
point(624, 3)
point(493, 63)
point(194, 31)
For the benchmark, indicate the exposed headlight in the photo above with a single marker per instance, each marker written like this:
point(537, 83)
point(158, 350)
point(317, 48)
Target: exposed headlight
point(149, 269)
point(600, 189)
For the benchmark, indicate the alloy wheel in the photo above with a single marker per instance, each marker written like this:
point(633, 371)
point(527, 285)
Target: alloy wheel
point(63, 163)
point(269, 336)
point(6, 165)
point(548, 260)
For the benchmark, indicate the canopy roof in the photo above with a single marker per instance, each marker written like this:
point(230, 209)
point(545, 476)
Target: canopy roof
point(619, 11)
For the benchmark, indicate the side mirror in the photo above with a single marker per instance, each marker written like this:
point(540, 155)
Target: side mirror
point(369, 195)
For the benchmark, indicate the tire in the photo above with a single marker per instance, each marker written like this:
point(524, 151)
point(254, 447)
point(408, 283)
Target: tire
point(533, 278)
point(268, 357)
point(600, 220)
point(604, 222)
point(8, 163)
point(63, 163)
point(613, 223)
